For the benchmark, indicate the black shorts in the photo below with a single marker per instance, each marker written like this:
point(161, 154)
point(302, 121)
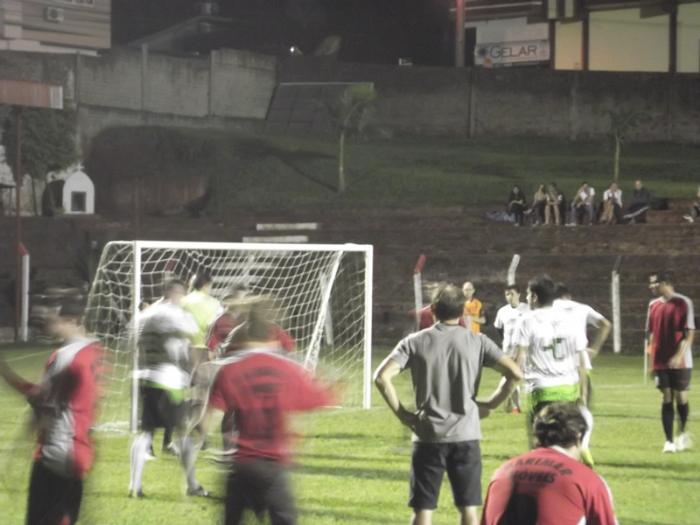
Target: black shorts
point(261, 486)
point(52, 498)
point(461, 460)
point(159, 410)
point(674, 378)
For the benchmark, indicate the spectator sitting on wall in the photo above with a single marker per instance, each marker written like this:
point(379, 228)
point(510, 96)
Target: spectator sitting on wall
point(539, 201)
point(554, 199)
point(695, 209)
point(582, 206)
point(612, 205)
point(517, 204)
point(640, 203)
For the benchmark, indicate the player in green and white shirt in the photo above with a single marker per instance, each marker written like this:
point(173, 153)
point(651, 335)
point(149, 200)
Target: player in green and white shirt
point(507, 320)
point(583, 316)
point(550, 349)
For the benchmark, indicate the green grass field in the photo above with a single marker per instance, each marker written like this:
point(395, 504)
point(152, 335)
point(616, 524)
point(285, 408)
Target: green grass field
point(353, 464)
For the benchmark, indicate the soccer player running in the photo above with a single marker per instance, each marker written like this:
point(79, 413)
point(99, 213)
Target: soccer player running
point(550, 350)
point(582, 317)
point(65, 406)
point(163, 339)
point(549, 485)
point(670, 332)
point(507, 319)
point(445, 362)
point(261, 387)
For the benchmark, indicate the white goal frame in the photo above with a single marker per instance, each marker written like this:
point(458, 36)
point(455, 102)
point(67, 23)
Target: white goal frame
point(139, 245)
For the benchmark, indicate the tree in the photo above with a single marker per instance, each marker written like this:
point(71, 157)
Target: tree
point(347, 112)
point(48, 142)
point(621, 124)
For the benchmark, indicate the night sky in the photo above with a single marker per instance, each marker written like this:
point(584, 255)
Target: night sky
point(378, 31)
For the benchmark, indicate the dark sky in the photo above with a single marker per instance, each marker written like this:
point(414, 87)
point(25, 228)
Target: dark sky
point(372, 30)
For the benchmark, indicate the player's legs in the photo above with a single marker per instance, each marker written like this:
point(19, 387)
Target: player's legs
point(680, 385)
point(279, 499)
point(464, 473)
point(428, 464)
point(235, 505)
point(52, 499)
point(663, 383)
point(139, 451)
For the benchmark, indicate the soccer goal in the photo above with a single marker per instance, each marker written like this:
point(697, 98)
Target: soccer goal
point(323, 294)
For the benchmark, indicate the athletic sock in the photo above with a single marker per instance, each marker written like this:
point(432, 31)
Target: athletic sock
point(188, 458)
point(138, 458)
point(682, 415)
point(667, 420)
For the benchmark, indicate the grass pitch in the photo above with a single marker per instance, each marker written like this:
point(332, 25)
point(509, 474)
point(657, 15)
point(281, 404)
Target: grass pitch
point(352, 465)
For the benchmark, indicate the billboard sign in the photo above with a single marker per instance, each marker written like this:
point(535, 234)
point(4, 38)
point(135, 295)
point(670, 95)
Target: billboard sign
point(511, 53)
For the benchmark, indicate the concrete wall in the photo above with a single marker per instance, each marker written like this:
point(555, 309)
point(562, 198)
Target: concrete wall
point(242, 83)
point(516, 101)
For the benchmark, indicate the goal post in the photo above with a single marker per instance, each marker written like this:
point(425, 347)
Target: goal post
point(322, 293)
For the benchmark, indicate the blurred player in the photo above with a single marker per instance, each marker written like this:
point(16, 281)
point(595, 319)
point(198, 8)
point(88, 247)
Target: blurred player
point(584, 316)
point(549, 485)
point(671, 329)
point(473, 308)
point(203, 307)
point(446, 363)
point(261, 387)
point(65, 404)
point(550, 350)
point(163, 339)
point(507, 319)
point(237, 302)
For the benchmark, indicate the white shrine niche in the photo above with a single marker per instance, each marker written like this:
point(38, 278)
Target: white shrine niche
point(78, 194)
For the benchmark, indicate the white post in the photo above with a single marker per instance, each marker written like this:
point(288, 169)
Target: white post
point(417, 297)
point(367, 380)
point(136, 301)
point(24, 316)
point(615, 299)
point(311, 359)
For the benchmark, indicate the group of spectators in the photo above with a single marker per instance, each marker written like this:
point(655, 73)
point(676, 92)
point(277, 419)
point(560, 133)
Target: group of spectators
point(550, 206)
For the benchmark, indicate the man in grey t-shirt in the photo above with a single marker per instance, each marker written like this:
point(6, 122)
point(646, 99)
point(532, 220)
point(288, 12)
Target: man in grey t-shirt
point(445, 363)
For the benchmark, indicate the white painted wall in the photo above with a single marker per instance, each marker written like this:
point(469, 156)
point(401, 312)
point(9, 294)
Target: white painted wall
point(568, 53)
point(688, 38)
point(508, 30)
point(621, 40)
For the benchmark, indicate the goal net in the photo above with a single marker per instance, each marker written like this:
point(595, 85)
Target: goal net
point(322, 293)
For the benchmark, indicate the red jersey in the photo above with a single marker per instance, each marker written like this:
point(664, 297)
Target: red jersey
point(65, 403)
point(668, 322)
point(261, 387)
point(226, 322)
point(547, 487)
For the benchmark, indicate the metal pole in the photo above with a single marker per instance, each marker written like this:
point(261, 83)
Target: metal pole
point(18, 220)
point(459, 33)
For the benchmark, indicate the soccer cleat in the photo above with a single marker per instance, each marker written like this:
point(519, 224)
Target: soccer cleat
point(198, 491)
point(683, 442)
point(136, 494)
point(587, 458)
point(669, 448)
point(515, 410)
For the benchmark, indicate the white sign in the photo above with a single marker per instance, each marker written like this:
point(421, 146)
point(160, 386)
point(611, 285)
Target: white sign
point(505, 53)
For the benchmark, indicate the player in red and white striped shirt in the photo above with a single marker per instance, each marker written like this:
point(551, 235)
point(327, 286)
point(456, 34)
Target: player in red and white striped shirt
point(670, 332)
point(65, 404)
